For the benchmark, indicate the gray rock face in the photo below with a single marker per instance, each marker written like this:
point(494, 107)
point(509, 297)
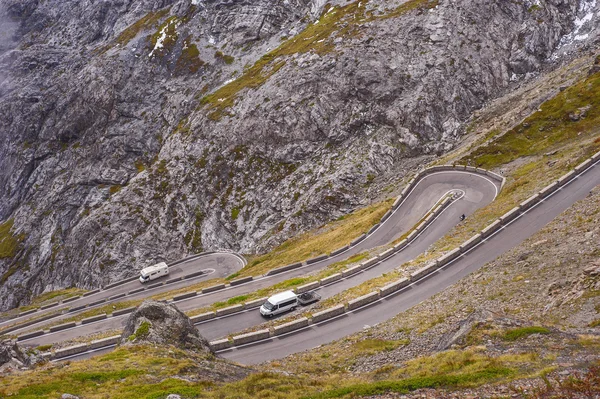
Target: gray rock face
point(114, 154)
point(162, 324)
point(13, 358)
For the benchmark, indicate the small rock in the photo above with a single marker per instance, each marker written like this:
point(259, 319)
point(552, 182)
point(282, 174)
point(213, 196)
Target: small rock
point(68, 396)
point(592, 270)
point(173, 396)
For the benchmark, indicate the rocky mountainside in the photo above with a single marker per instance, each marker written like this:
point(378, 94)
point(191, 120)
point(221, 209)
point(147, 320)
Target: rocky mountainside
point(134, 131)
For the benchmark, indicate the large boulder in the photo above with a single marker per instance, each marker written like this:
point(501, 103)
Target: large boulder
point(162, 324)
point(13, 358)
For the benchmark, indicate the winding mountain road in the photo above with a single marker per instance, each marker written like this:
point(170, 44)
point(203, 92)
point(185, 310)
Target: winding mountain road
point(478, 191)
point(424, 195)
point(507, 238)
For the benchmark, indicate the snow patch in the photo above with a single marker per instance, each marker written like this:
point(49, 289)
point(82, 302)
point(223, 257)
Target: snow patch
point(160, 40)
point(586, 8)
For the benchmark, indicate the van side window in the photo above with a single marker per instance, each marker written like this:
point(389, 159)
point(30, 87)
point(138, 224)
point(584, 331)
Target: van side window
point(287, 303)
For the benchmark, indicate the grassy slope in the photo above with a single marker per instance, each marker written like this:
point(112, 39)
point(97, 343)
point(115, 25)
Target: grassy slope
point(573, 140)
point(323, 373)
point(146, 372)
point(569, 143)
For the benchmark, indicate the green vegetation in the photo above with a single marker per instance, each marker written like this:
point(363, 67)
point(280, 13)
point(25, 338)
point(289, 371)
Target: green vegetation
point(189, 60)
point(337, 266)
point(372, 346)
point(226, 58)
point(232, 276)
point(572, 116)
point(521, 332)
point(9, 242)
point(412, 384)
point(237, 299)
point(167, 35)
point(140, 166)
point(129, 33)
point(321, 241)
point(225, 96)
point(318, 37)
point(44, 348)
point(145, 371)
point(142, 331)
point(127, 372)
point(108, 308)
point(235, 212)
point(55, 296)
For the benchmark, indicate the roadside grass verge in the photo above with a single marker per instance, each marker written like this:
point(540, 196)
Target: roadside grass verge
point(53, 296)
point(4, 328)
point(108, 308)
point(320, 241)
point(43, 299)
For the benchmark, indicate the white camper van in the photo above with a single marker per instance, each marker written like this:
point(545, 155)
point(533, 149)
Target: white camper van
point(279, 303)
point(153, 272)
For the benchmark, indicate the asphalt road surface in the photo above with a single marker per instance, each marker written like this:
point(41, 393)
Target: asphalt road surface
point(216, 265)
point(478, 192)
point(507, 238)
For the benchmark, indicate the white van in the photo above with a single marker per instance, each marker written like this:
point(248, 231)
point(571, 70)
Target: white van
point(153, 272)
point(279, 303)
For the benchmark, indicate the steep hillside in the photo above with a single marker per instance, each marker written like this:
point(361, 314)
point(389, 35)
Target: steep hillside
point(145, 130)
point(526, 325)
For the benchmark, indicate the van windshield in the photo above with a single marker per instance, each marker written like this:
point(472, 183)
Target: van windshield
point(268, 305)
point(145, 277)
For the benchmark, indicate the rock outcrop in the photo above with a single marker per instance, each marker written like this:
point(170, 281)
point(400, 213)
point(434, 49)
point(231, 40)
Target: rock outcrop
point(144, 130)
point(162, 324)
point(13, 358)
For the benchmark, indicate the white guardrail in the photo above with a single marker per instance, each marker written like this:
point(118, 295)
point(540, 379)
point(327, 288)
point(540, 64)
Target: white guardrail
point(401, 245)
point(430, 217)
point(338, 310)
point(395, 286)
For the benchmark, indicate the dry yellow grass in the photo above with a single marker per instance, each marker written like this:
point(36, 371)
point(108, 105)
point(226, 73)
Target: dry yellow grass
point(318, 242)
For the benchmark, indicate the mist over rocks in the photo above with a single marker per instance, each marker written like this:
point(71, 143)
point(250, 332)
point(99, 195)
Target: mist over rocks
point(113, 157)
